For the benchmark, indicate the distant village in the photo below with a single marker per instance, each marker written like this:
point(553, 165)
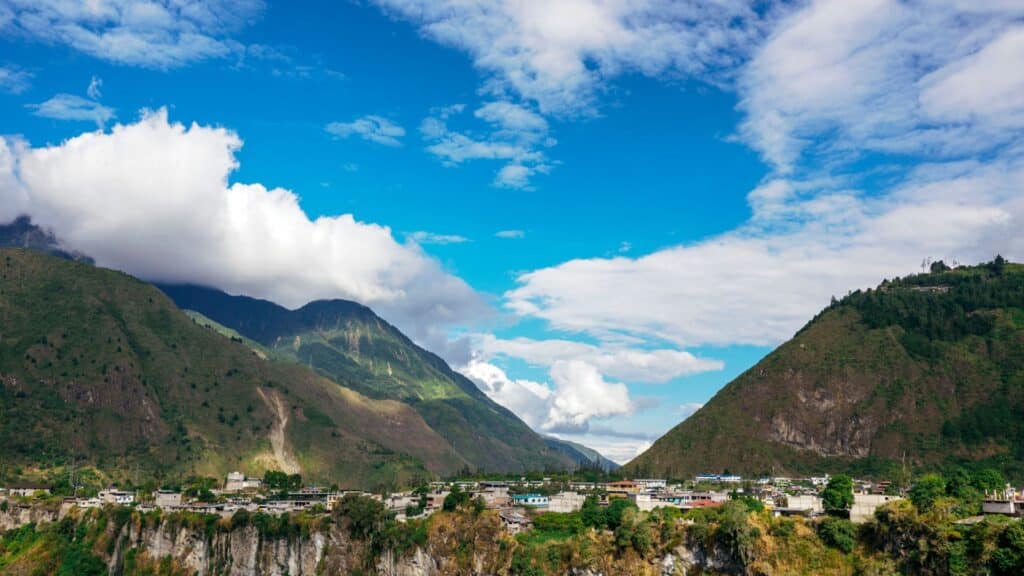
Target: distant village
point(516, 501)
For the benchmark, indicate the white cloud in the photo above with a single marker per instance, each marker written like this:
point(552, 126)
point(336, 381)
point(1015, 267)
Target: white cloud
point(515, 135)
point(936, 82)
point(153, 199)
point(14, 80)
point(838, 78)
point(616, 361)
point(94, 90)
point(71, 107)
point(510, 234)
point(372, 128)
point(423, 237)
point(149, 33)
point(759, 284)
point(559, 54)
point(580, 394)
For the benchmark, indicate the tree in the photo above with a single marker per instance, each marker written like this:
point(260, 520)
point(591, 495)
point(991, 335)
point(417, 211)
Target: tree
point(938, 267)
point(837, 498)
point(455, 499)
point(591, 513)
point(927, 490)
point(838, 533)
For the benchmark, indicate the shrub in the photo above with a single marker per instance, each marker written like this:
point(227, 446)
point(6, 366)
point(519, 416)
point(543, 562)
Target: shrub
point(838, 533)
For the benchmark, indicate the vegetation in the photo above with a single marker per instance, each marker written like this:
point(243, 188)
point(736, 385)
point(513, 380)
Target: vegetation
point(837, 497)
point(922, 373)
point(104, 380)
point(349, 344)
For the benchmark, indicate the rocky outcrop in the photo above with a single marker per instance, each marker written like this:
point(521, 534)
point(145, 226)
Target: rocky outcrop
point(13, 514)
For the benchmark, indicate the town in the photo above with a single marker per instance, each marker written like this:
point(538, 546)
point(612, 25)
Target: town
point(517, 500)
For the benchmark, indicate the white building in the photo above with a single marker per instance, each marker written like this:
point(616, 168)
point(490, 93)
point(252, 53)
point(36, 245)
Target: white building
point(651, 484)
point(115, 496)
point(238, 482)
point(566, 502)
point(805, 502)
point(28, 490)
point(864, 506)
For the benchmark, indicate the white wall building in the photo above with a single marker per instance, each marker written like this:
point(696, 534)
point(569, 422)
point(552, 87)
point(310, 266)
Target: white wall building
point(566, 502)
point(115, 496)
point(238, 482)
point(864, 506)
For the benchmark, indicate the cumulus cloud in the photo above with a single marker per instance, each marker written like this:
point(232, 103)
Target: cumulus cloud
point(514, 134)
point(153, 198)
point(14, 80)
point(372, 128)
point(579, 394)
point(148, 33)
point(71, 107)
point(558, 55)
point(615, 361)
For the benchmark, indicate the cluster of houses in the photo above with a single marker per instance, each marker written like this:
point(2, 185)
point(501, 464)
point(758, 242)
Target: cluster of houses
point(515, 499)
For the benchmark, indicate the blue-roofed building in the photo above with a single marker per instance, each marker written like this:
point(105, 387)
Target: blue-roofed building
point(532, 500)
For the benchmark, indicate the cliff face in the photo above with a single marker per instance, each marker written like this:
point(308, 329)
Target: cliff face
point(130, 543)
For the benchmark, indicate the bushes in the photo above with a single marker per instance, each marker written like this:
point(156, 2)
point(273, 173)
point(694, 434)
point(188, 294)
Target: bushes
point(838, 533)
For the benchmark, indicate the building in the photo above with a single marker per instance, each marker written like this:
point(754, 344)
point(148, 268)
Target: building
point(622, 487)
point(496, 496)
point(864, 506)
point(566, 502)
point(532, 500)
point(719, 478)
point(238, 482)
point(514, 521)
point(651, 484)
point(806, 503)
point(28, 490)
point(166, 499)
point(1003, 502)
point(435, 500)
point(115, 496)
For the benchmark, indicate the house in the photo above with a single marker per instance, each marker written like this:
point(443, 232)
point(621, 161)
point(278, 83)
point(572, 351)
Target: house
point(566, 502)
point(238, 482)
point(166, 499)
point(533, 500)
point(496, 497)
point(805, 503)
point(622, 487)
point(651, 484)
point(514, 521)
point(28, 490)
point(719, 478)
point(864, 506)
point(1002, 502)
point(435, 500)
point(115, 496)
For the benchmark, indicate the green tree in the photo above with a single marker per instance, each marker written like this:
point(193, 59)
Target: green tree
point(927, 490)
point(591, 513)
point(839, 533)
point(615, 512)
point(837, 498)
point(455, 499)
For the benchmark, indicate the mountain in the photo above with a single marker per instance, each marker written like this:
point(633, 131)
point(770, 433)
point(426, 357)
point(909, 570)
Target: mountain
point(22, 233)
point(926, 370)
point(583, 457)
point(100, 369)
point(349, 344)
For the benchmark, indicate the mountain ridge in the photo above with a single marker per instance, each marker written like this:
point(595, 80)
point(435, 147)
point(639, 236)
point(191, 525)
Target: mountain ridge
point(924, 370)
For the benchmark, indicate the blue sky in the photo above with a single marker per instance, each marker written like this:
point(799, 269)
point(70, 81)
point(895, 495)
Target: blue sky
point(601, 212)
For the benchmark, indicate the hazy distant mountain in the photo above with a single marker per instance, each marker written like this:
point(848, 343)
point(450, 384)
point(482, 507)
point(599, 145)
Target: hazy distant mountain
point(924, 370)
point(583, 456)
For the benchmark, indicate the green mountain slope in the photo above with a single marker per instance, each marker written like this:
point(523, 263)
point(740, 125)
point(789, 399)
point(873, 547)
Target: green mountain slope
point(924, 371)
point(101, 369)
point(351, 345)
